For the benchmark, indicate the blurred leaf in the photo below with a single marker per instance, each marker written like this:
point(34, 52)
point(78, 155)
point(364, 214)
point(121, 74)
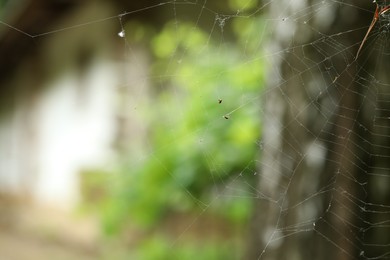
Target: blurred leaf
point(242, 4)
point(193, 149)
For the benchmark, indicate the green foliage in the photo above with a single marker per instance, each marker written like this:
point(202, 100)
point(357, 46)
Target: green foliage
point(204, 123)
point(161, 248)
point(242, 4)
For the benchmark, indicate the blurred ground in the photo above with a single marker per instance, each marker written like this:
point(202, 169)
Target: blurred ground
point(15, 246)
point(29, 233)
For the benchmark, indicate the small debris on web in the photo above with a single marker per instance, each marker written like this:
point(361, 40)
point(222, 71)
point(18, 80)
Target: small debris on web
point(226, 116)
point(122, 34)
point(219, 101)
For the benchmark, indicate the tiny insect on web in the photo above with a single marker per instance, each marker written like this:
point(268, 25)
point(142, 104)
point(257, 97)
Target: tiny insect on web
point(380, 10)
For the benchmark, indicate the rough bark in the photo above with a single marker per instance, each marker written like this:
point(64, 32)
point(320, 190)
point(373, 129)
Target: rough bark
point(336, 120)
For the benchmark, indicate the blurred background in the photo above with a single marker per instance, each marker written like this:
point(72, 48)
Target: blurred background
point(229, 129)
point(115, 134)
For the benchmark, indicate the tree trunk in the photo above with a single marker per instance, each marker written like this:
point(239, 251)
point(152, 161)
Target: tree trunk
point(325, 138)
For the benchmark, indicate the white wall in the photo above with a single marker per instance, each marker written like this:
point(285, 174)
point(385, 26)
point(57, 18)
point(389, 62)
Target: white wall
point(76, 129)
point(70, 127)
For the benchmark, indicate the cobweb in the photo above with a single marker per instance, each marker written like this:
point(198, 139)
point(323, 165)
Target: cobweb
point(319, 177)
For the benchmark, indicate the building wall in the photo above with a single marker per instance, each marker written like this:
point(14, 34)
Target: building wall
point(64, 109)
